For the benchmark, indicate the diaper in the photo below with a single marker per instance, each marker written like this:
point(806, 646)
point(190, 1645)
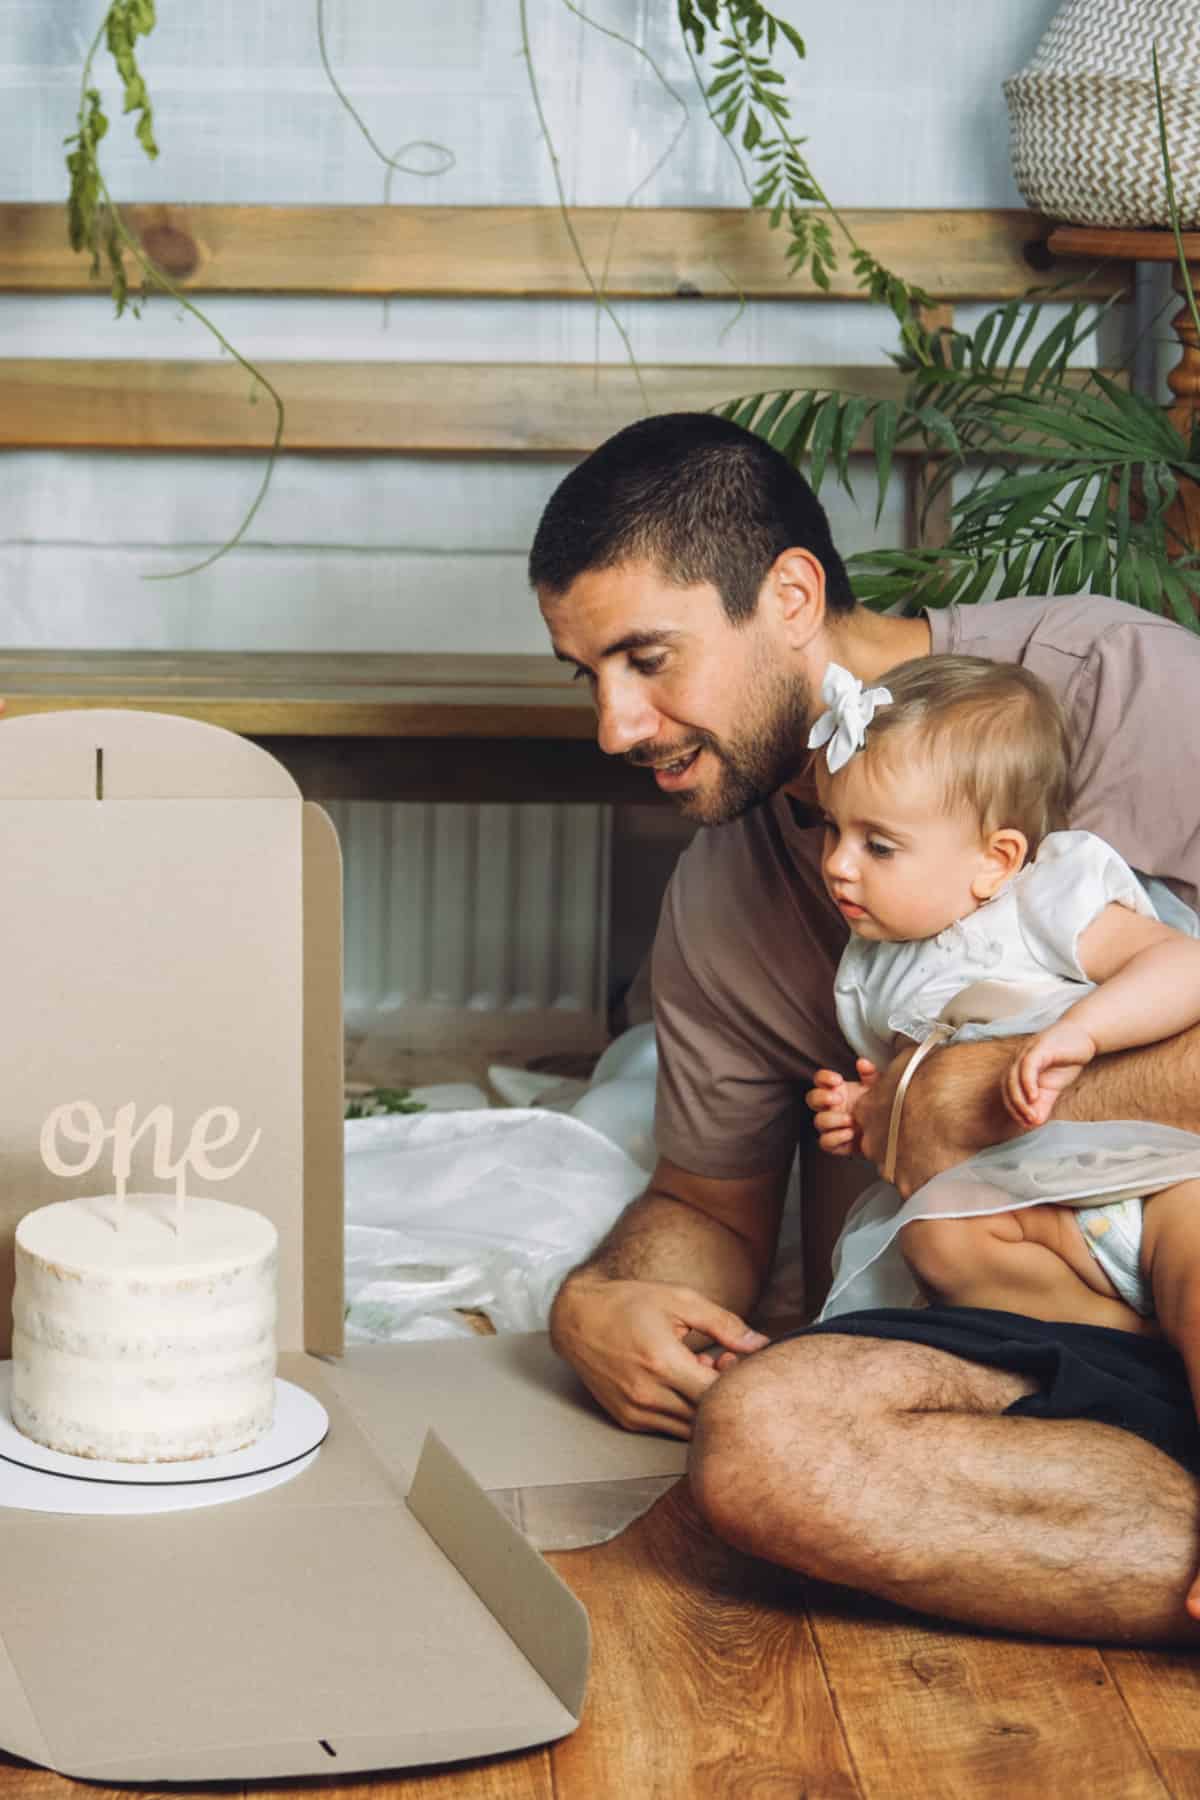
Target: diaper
point(1113, 1234)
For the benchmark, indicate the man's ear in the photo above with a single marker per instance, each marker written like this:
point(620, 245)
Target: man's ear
point(1002, 855)
point(795, 591)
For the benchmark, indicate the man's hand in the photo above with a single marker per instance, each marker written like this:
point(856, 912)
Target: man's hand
point(953, 1109)
point(1049, 1064)
point(833, 1102)
point(626, 1339)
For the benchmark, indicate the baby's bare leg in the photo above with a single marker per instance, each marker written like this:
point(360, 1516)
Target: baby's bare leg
point(1171, 1264)
point(1032, 1260)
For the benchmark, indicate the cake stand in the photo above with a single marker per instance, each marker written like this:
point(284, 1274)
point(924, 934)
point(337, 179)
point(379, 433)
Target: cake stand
point(35, 1479)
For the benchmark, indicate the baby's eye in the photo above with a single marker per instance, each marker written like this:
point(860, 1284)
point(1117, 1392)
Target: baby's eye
point(877, 849)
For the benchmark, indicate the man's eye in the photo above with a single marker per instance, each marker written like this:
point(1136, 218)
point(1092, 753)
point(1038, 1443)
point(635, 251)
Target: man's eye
point(583, 675)
point(647, 665)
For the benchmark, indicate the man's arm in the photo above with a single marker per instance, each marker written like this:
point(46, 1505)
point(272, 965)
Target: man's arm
point(680, 1268)
point(955, 1107)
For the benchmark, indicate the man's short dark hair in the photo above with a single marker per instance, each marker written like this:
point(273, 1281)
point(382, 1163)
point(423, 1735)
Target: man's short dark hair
point(700, 498)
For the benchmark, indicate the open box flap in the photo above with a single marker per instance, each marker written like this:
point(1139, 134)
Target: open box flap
point(318, 1629)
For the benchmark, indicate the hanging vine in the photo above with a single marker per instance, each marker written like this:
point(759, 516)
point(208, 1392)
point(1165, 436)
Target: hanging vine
point(742, 94)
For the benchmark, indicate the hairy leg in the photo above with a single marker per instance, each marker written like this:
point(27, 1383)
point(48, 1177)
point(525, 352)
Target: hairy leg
point(889, 1467)
point(1032, 1260)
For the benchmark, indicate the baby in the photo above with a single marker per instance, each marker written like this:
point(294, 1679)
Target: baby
point(945, 796)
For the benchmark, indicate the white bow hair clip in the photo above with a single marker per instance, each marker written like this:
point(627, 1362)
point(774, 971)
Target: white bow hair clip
point(851, 709)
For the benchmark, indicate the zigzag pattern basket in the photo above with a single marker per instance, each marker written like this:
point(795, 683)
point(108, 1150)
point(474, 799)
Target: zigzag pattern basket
point(1085, 144)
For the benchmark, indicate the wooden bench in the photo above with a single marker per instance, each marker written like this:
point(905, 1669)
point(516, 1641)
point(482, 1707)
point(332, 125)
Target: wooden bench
point(432, 727)
point(359, 726)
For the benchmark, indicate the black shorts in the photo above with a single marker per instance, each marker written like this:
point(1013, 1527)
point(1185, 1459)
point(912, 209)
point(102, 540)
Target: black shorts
point(1083, 1371)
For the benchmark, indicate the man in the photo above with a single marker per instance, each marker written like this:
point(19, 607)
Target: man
point(965, 1463)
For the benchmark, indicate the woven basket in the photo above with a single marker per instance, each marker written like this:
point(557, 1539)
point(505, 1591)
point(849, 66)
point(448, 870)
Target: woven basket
point(1085, 144)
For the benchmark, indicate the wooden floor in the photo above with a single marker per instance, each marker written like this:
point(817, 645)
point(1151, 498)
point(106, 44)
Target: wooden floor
point(714, 1676)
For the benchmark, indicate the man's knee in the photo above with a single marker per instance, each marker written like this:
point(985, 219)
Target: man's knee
point(770, 1436)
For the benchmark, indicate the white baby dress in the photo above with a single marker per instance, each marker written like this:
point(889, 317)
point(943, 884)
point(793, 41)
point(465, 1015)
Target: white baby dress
point(1013, 967)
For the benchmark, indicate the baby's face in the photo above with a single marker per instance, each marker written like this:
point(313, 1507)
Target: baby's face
point(896, 865)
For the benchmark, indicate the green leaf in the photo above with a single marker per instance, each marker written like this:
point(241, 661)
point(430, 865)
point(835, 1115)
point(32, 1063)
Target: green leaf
point(824, 426)
point(791, 435)
point(1014, 571)
point(1050, 352)
point(934, 422)
point(886, 422)
point(1070, 571)
point(768, 418)
point(1177, 596)
point(746, 410)
point(721, 82)
point(853, 417)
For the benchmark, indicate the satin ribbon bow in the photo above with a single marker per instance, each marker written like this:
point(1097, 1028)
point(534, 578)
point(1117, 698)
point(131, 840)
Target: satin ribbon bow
point(851, 709)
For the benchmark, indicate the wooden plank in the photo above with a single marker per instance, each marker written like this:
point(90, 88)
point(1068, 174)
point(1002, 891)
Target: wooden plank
point(506, 251)
point(461, 409)
point(265, 674)
point(1162, 1691)
point(307, 694)
point(1100, 244)
point(705, 1679)
point(525, 1776)
point(522, 1777)
point(934, 1714)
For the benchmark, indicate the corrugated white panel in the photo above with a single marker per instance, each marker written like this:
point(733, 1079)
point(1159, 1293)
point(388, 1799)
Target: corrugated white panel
point(484, 910)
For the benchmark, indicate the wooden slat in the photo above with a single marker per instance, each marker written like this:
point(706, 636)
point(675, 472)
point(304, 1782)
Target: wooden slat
point(420, 409)
point(1162, 1691)
point(504, 251)
point(530, 409)
point(306, 694)
point(935, 1714)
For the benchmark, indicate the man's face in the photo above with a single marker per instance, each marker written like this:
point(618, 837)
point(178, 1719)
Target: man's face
point(718, 711)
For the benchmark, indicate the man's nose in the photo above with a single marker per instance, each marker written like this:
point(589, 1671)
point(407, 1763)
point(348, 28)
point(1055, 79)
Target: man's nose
point(624, 717)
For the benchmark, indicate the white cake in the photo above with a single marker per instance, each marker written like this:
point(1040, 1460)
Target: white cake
point(138, 1344)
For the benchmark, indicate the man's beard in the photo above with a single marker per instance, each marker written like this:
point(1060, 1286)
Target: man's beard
point(756, 762)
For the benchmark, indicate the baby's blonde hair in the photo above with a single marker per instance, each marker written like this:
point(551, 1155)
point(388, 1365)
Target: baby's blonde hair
point(993, 734)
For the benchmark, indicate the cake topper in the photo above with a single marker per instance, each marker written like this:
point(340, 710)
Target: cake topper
point(79, 1122)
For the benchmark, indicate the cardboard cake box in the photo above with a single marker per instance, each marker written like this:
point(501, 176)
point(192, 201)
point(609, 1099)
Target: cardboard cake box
point(170, 933)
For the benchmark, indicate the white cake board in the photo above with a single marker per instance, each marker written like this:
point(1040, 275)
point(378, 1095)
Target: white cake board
point(36, 1479)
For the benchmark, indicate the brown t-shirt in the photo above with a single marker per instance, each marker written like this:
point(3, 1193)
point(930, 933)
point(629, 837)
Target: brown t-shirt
point(748, 940)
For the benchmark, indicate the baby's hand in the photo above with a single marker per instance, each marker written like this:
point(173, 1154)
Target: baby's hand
point(1038, 1076)
point(833, 1102)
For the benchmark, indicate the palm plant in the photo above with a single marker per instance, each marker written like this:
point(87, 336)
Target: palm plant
point(1066, 478)
point(1071, 480)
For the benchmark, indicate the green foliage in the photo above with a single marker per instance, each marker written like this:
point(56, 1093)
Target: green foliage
point(1068, 475)
point(746, 103)
point(91, 221)
point(382, 1100)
